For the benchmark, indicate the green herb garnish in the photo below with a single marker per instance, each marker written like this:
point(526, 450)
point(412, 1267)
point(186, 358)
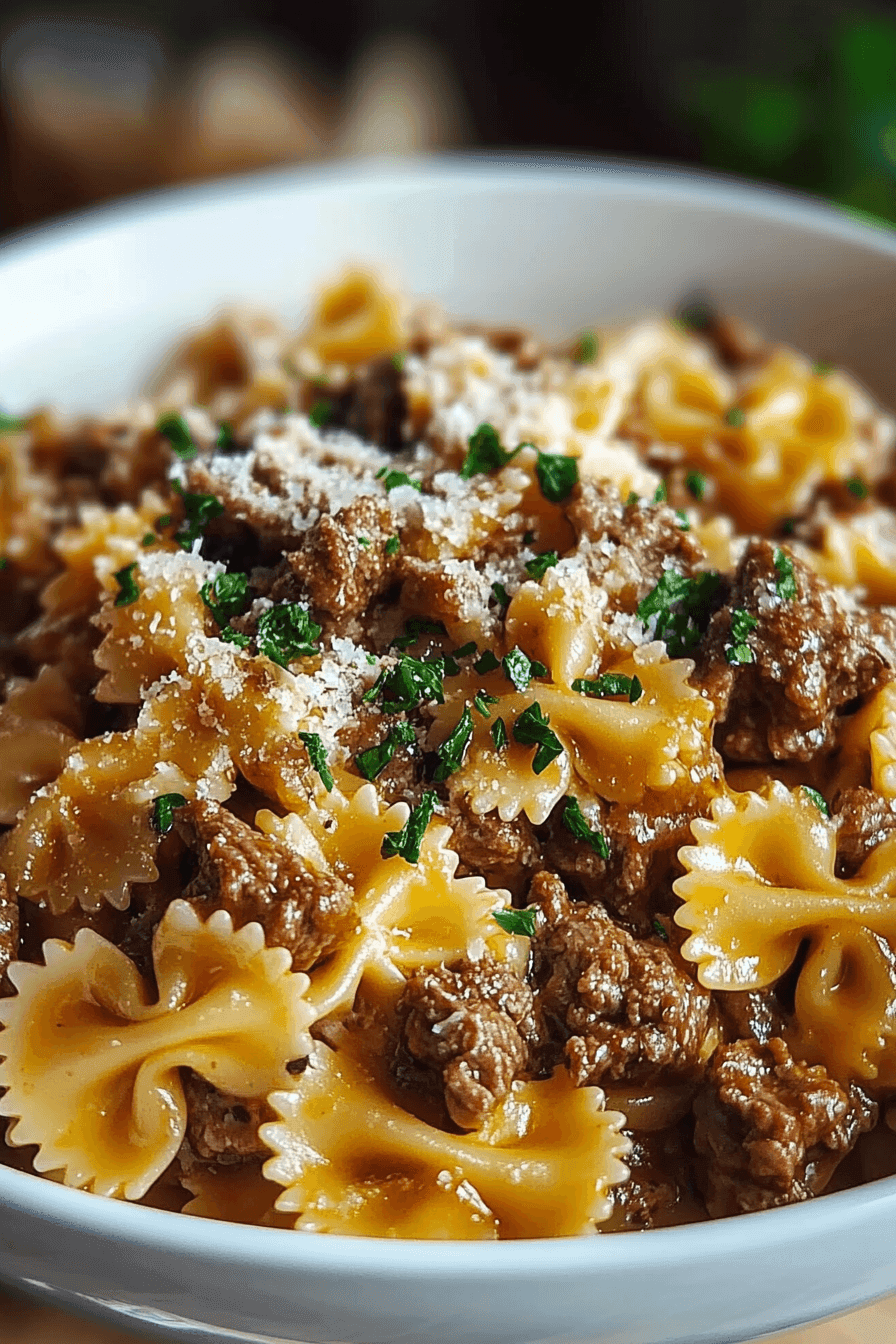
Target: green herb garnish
point(520, 669)
point(541, 564)
point(318, 758)
point(414, 628)
point(149, 539)
point(363, 541)
point(610, 683)
point(684, 521)
point(174, 428)
point(785, 585)
point(632, 499)
point(735, 417)
point(481, 702)
point(817, 799)
point(199, 511)
point(498, 732)
point(4, 562)
point(531, 730)
point(163, 811)
point(737, 650)
point(373, 760)
point(287, 632)
point(574, 820)
point(393, 479)
point(682, 609)
point(128, 591)
point(225, 442)
point(453, 750)
point(465, 650)
point(231, 636)
point(321, 412)
point(226, 596)
point(408, 840)
point(408, 684)
point(10, 424)
point(557, 475)
point(392, 546)
point(397, 360)
point(501, 595)
point(485, 453)
point(696, 315)
point(856, 486)
point(521, 922)
point(487, 662)
point(585, 351)
point(821, 367)
point(661, 493)
point(660, 930)
point(528, 538)
point(696, 483)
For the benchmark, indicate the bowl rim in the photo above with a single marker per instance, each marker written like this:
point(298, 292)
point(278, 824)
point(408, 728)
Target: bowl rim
point(657, 1249)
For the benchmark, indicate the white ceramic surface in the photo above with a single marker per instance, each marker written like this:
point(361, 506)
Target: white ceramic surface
point(87, 305)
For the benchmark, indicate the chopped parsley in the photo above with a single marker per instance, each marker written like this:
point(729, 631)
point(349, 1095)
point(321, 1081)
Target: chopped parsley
point(318, 758)
point(660, 930)
point(321, 412)
point(788, 527)
point(397, 360)
point(392, 545)
point(632, 499)
point(498, 732)
point(682, 609)
point(174, 428)
point(735, 417)
point(287, 632)
point(149, 539)
point(531, 730)
point(128, 591)
point(521, 922)
point(821, 367)
point(785, 585)
point(10, 424)
point(661, 494)
point(501, 595)
point(225, 442)
point(486, 663)
point(610, 683)
point(684, 521)
point(696, 314)
point(393, 479)
point(574, 820)
point(814, 796)
point(528, 538)
point(408, 840)
point(696, 483)
point(199, 510)
point(465, 650)
point(481, 702)
point(585, 351)
point(453, 750)
point(856, 486)
point(519, 669)
point(406, 685)
point(485, 453)
point(374, 760)
point(226, 596)
point(231, 636)
point(164, 521)
point(416, 627)
point(163, 811)
point(557, 475)
point(541, 564)
point(4, 562)
point(363, 541)
point(737, 650)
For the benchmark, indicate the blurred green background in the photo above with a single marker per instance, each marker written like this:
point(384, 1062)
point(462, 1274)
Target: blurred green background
point(104, 98)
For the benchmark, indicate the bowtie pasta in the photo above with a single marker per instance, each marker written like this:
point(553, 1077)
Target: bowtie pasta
point(448, 782)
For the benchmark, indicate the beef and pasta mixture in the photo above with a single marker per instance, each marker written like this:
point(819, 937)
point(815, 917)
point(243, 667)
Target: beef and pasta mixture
point(449, 780)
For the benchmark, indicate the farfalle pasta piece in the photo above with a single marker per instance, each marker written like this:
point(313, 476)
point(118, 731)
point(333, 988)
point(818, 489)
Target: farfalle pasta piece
point(618, 750)
point(858, 553)
point(87, 836)
point(39, 725)
point(354, 1160)
point(91, 1061)
point(408, 915)
point(355, 318)
point(558, 622)
point(233, 367)
point(867, 746)
point(761, 883)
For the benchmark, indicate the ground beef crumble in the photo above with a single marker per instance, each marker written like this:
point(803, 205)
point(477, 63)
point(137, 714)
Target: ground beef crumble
point(864, 820)
point(221, 1128)
point(472, 1026)
point(622, 1008)
point(343, 564)
point(257, 877)
point(770, 1130)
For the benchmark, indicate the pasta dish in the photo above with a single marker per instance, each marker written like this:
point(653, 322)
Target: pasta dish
point(448, 779)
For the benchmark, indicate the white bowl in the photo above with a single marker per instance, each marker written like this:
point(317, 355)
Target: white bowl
point(87, 305)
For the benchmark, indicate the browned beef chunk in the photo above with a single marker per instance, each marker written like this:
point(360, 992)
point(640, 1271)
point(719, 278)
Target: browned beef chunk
point(343, 564)
point(374, 406)
point(634, 883)
point(624, 1007)
point(257, 877)
point(637, 543)
point(770, 1130)
point(470, 1024)
point(505, 853)
point(864, 820)
point(9, 929)
point(222, 1128)
point(750, 1012)
point(812, 656)
point(660, 1190)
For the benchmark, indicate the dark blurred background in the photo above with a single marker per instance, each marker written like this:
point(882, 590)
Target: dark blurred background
point(103, 99)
